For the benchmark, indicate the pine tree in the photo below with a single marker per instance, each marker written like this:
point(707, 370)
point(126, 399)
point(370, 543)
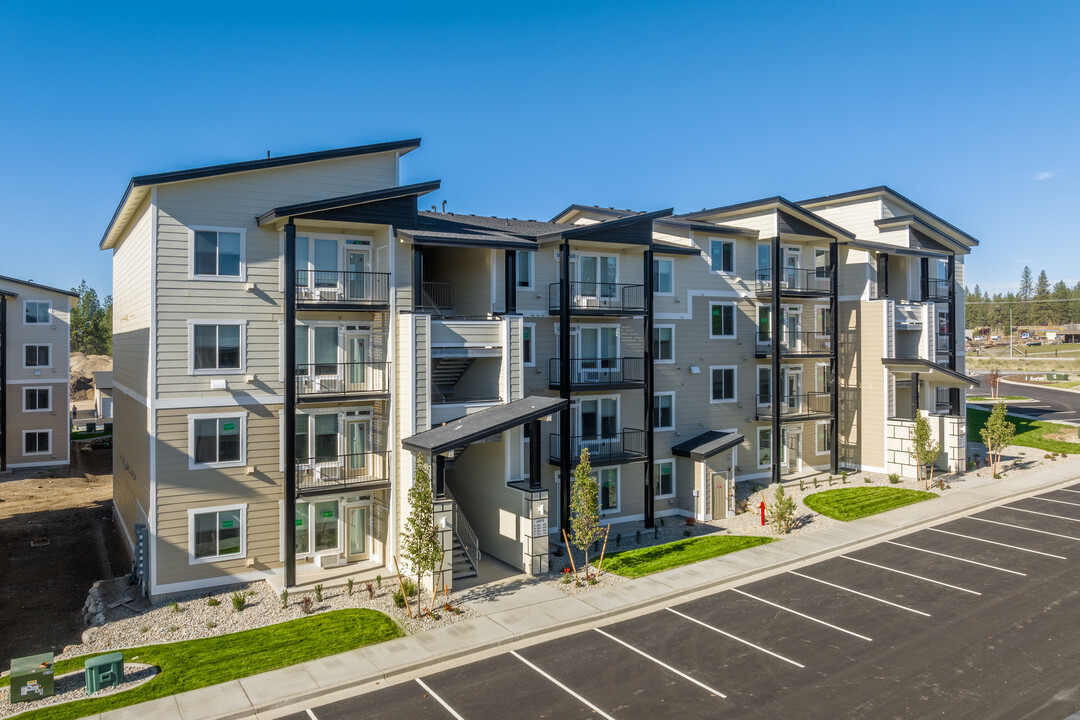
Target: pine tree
point(584, 508)
point(1027, 288)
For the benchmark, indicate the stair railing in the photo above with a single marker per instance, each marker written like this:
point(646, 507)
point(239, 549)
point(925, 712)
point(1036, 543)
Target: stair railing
point(464, 532)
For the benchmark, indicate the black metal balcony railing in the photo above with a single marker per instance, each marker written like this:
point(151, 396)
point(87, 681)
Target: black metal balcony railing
point(935, 290)
point(942, 343)
point(599, 297)
point(796, 343)
point(436, 298)
point(624, 446)
point(812, 403)
point(599, 372)
point(333, 287)
point(357, 378)
point(797, 280)
point(337, 472)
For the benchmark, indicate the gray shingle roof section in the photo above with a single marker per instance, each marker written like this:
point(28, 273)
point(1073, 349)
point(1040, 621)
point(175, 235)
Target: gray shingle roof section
point(451, 222)
point(613, 212)
point(485, 423)
point(27, 283)
point(707, 444)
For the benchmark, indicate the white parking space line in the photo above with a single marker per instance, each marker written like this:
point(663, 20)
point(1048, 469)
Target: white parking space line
point(917, 577)
point(796, 612)
point(995, 542)
point(1061, 502)
point(1036, 512)
point(860, 594)
point(737, 639)
point(311, 714)
point(1068, 490)
point(572, 694)
point(662, 664)
point(1021, 527)
point(442, 702)
point(954, 557)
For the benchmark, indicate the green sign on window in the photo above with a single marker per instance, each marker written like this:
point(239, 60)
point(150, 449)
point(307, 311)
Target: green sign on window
point(299, 522)
point(227, 523)
point(328, 513)
point(228, 426)
point(525, 334)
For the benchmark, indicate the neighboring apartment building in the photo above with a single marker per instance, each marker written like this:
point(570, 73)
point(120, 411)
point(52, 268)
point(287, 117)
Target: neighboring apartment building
point(288, 332)
point(35, 376)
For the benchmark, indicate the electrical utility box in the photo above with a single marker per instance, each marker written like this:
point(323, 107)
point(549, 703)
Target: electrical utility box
point(32, 677)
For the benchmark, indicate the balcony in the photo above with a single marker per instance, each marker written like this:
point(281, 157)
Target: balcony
point(342, 290)
point(436, 298)
point(796, 282)
point(935, 290)
point(599, 373)
point(321, 381)
point(942, 342)
point(599, 298)
point(624, 447)
point(796, 407)
point(792, 343)
point(335, 473)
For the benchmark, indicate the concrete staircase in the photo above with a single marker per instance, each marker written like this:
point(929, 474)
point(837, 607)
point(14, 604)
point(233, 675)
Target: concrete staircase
point(463, 566)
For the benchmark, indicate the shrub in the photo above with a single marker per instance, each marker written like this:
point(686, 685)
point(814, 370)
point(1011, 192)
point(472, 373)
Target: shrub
point(687, 532)
point(816, 482)
point(378, 581)
point(566, 579)
point(212, 602)
point(349, 587)
point(782, 511)
point(173, 628)
point(894, 478)
point(307, 605)
point(691, 521)
point(801, 486)
point(210, 624)
point(637, 537)
point(318, 593)
point(284, 598)
point(868, 479)
point(239, 600)
point(410, 590)
point(370, 591)
point(174, 606)
point(592, 580)
point(143, 629)
point(618, 539)
point(843, 477)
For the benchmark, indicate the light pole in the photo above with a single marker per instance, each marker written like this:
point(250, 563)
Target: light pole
point(1010, 334)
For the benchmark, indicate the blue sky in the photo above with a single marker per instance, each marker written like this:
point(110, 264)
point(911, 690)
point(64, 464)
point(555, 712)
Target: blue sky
point(970, 109)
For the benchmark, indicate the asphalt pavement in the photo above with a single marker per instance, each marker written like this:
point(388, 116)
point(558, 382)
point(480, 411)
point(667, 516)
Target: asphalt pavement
point(1052, 404)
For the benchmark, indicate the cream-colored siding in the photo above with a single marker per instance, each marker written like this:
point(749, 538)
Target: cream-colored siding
point(131, 464)
point(132, 290)
point(855, 216)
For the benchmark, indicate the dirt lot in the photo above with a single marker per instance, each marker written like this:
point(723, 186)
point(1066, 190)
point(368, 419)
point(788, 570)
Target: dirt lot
point(43, 588)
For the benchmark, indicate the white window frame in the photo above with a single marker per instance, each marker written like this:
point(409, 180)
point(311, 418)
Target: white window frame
point(241, 416)
point(734, 382)
point(674, 487)
point(618, 490)
point(531, 328)
point(192, 512)
point(818, 325)
point(38, 324)
point(532, 269)
point(757, 384)
point(757, 450)
point(46, 388)
point(734, 321)
point(757, 257)
point(664, 428)
point(242, 277)
point(37, 453)
point(37, 367)
point(817, 437)
point(217, 371)
point(824, 379)
point(728, 241)
point(671, 262)
point(657, 360)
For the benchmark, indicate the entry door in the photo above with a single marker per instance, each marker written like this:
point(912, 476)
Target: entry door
point(720, 492)
point(597, 347)
point(356, 448)
point(327, 375)
point(356, 369)
point(325, 262)
point(791, 266)
point(356, 277)
point(106, 407)
point(596, 422)
point(596, 275)
point(791, 319)
point(357, 544)
point(792, 383)
point(792, 459)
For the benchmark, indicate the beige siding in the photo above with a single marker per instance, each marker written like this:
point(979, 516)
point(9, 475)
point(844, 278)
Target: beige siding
point(131, 462)
point(131, 304)
point(855, 216)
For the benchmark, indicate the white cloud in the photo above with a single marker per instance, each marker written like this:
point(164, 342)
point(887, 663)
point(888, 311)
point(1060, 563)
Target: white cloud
point(1047, 174)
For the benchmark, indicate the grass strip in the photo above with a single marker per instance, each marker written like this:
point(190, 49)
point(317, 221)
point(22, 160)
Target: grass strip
point(647, 560)
point(994, 400)
point(1029, 433)
point(854, 503)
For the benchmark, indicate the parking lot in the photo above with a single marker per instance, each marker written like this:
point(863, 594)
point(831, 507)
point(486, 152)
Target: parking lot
point(971, 618)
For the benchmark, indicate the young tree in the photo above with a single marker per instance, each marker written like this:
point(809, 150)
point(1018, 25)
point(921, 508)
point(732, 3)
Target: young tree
point(926, 450)
point(584, 508)
point(997, 434)
point(782, 511)
point(420, 543)
point(993, 379)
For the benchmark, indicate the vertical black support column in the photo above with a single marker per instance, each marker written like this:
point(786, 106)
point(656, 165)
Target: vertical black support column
point(534, 453)
point(914, 395)
point(834, 363)
point(565, 461)
point(3, 384)
point(883, 276)
point(954, 335)
point(290, 404)
point(510, 294)
point(440, 476)
point(417, 278)
point(774, 327)
point(649, 409)
point(924, 277)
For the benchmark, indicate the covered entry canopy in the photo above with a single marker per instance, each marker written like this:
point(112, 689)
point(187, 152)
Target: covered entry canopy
point(707, 444)
point(936, 373)
point(485, 423)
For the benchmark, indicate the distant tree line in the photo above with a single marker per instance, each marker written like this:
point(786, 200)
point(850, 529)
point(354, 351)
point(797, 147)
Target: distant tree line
point(1034, 303)
point(91, 322)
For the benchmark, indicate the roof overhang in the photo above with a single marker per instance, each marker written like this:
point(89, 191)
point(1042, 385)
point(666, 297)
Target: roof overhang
point(473, 240)
point(710, 228)
point(483, 424)
point(939, 374)
point(345, 202)
point(917, 225)
point(896, 249)
point(707, 444)
point(39, 286)
point(630, 230)
point(664, 248)
point(577, 210)
point(778, 204)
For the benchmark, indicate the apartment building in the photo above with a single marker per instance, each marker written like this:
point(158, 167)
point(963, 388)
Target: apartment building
point(292, 333)
point(35, 377)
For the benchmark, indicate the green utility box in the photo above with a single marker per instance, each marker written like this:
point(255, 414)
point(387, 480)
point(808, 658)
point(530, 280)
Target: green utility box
point(32, 677)
point(1057, 376)
point(104, 671)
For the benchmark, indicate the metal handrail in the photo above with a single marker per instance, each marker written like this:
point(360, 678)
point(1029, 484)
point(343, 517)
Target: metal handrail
point(625, 445)
point(342, 287)
point(816, 280)
point(466, 535)
point(936, 290)
point(942, 343)
point(599, 296)
point(598, 371)
point(340, 471)
point(436, 298)
point(811, 403)
point(342, 378)
point(797, 342)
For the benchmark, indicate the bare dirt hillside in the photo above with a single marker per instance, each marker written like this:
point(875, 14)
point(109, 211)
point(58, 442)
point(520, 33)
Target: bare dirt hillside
point(83, 368)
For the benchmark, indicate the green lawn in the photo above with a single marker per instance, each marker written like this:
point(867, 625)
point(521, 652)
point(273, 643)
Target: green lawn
point(647, 560)
point(854, 503)
point(1067, 384)
point(1029, 433)
point(83, 435)
point(194, 664)
point(993, 400)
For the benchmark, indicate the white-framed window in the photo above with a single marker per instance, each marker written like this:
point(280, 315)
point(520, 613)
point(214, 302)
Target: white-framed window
point(37, 442)
point(608, 479)
point(524, 265)
point(764, 445)
point(821, 377)
point(663, 277)
point(528, 344)
point(764, 385)
point(217, 346)
point(217, 440)
point(822, 319)
point(216, 253)
point(823, 437)
point(764, 258)
point(821, 262)
point(721, 320)
point(217, 533)
point(37, 312)
point(37, 356)
point(664, 411)
point(37, 399)
point(723, 379)
point(318, 527)
point(663, 347)
point(722, 255)
point(664, 478)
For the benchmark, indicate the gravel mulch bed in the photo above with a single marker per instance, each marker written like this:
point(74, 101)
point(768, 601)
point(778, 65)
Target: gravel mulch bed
point(72, 686)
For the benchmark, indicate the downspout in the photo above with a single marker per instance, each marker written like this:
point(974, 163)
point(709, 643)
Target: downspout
point(650, 501)
point(510, 293)
point(290, 404)
point(834, 364)
point(954, 393)
point(774, 327)
point(564, 385)
point(3, 384)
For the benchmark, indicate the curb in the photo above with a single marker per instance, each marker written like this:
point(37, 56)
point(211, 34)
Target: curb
point(626, 609)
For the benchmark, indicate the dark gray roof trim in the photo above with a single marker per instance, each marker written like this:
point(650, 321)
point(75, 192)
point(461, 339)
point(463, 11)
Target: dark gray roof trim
point(770, 202)
point(485, 423)
point(664, 248)
point(707, 444)
point(462, 239)
point(725, 230)
point(584, 231)
point(27, 283)
point(451, 222)
point(936, 367)
point(613, 212)
point(896, 249)
point(920, 226)
point(300, 209)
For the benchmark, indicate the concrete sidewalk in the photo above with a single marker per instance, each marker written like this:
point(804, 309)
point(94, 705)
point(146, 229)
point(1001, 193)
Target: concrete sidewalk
point(537, 611)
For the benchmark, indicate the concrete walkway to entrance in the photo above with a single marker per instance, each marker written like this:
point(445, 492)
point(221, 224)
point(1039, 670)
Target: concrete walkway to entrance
point(519, 612)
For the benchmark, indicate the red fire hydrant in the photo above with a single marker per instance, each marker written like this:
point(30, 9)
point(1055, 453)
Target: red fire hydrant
point(763, 513)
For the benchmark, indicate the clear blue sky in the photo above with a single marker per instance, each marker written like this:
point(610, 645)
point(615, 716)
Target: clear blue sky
point(971, 109)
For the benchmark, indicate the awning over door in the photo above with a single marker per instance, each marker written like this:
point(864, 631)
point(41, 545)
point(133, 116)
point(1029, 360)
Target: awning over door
point(707, 444)
point(937, 374)
point(485, 423)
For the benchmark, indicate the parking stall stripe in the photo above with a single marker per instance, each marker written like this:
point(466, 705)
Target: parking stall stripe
point(1036, 512)
point(1021, 527)
point(442, 702)
point(311, 714)
point(917, 577)
point(662, 664)
point(1062, 502)
point(995, 542)
point(953, 557)
point(568, 690)
point(1068, 490)
point(861, 594)
point(737, 639)
point(796, 612)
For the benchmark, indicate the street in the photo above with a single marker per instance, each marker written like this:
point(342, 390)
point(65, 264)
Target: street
point(1050, 404)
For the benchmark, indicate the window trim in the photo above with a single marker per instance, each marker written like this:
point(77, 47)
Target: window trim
point(817, 319)
point(734, 321)
point(824, 380)
point(531, 327)
point(37, 367)
point(217, 371)
point(772, 447)
point(817, 437)
point(192, 512)
point(242, 462)
point(664, 428)
point(618, 490)
point(722, 240)
point(532, 270)
point(671, 262)
point(47, 388)
point(241, 277)
point(656, 360)
point(674, 483)
point(758, 368)
point(37, 453)
point(734, 381)
point(37, 324)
